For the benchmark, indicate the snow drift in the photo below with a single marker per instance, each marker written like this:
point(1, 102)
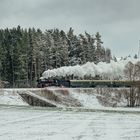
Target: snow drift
point(112, 70)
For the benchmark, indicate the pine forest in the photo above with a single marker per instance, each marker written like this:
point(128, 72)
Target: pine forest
point(26, 53)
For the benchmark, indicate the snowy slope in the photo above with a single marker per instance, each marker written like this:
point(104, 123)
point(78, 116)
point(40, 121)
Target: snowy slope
point(86, 99)
point(67, 97)
point(10, 97)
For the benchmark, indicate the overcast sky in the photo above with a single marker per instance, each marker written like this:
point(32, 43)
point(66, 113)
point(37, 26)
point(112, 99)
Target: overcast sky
point(118, 21)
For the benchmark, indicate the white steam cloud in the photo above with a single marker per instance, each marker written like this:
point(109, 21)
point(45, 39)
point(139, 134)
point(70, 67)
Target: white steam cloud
point(112, 70)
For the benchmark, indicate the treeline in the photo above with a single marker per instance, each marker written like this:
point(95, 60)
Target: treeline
point(26, 53)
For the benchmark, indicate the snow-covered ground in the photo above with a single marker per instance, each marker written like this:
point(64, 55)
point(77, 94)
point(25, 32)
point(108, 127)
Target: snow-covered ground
point(90, 122)
point(87, 100)
point(11, 97)
point(28, 123)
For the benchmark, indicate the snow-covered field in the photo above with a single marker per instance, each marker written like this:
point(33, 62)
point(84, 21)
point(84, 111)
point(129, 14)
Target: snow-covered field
point(28, 123)
point(19, 121)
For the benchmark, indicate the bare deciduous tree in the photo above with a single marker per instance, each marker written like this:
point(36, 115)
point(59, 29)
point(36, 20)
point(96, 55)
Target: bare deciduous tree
point(132, 73)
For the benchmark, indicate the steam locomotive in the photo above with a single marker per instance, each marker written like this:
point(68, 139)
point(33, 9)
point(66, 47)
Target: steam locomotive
point(41, 83)
point(85, 83)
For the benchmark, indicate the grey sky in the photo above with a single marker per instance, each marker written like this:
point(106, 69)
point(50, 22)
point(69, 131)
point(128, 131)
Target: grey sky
point(118, 21)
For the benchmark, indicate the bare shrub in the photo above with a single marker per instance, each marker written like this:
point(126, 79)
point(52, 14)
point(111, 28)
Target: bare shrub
point(132, 73)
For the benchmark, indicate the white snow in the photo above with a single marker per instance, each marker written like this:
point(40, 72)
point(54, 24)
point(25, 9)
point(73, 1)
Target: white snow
point(106, 70)
point(10, 97)
point(87, 100)
point(42, 124)
point(90, 122)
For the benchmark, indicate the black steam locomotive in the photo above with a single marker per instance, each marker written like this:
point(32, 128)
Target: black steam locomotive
point(85, 83)
point(53, 82)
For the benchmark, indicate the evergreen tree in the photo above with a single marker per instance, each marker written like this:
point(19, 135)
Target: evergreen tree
point(99, 50)
point(108, 56)
point(26, 53)
point(90, 47)
point(135, 56)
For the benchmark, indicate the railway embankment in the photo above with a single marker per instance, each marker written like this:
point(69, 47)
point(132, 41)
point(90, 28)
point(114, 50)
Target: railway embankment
point(50, 98)
point(67, 97)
